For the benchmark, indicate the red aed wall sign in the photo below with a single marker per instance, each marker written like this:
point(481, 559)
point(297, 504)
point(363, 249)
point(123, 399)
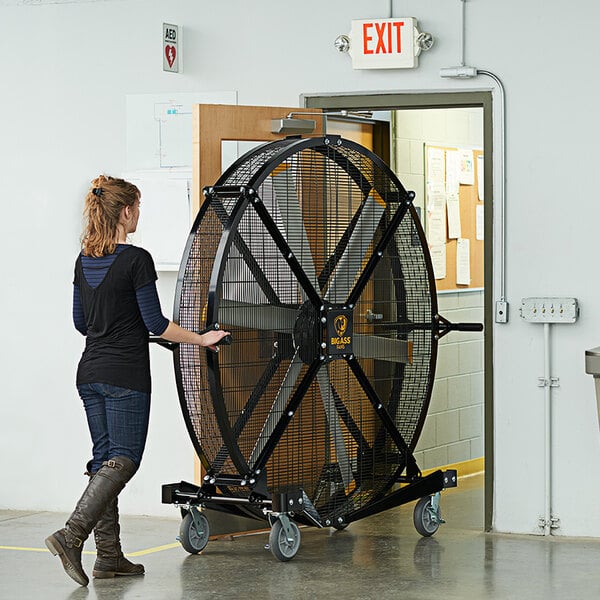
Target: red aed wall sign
point(171, 47)
point(384, 43)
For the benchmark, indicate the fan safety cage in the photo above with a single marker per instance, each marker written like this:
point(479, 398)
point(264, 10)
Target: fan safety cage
point(310, 253)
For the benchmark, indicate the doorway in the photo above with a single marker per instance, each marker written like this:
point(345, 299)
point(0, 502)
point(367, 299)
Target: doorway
point(252, 124)
point(402, 107)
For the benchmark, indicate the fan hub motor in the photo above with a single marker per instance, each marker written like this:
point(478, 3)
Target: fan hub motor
point(325, 332)
point(308, 333)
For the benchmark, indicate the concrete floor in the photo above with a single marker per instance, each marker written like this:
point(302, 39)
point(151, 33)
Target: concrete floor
point(381, 557)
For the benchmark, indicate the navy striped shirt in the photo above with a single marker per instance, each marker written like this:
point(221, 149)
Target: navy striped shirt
point(94, 270)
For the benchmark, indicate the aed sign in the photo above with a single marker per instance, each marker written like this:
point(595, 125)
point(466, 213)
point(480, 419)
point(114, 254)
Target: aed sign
point(170, 48)
point(384, 44)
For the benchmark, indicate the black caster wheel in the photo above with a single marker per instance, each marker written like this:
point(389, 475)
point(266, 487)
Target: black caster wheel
point(282, 547)
point(425, 517)
point(193, 535)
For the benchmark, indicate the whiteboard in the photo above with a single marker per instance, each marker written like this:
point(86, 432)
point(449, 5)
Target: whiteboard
point(159, 127)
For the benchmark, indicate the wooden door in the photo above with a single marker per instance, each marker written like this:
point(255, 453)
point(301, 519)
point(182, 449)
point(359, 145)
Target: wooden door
point(215, 123)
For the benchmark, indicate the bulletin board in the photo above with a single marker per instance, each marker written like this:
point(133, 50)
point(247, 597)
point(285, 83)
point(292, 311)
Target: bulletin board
point(470, 208)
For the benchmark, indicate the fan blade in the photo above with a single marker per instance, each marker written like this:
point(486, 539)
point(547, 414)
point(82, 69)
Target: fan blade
point(335, 427)
point(354, 254)
point(382, 348)
point(264, 317)
point(383, 415)
point(347, 419)
point(273, 224)
point(242, 264)
point(283, 395)
point(286, 199)
point(379, 248)
point(251, 404)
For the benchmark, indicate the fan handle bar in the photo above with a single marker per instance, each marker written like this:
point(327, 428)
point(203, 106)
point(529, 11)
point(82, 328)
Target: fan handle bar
point(444, 327)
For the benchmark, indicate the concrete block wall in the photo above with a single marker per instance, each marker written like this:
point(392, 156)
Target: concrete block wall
point(453, 430)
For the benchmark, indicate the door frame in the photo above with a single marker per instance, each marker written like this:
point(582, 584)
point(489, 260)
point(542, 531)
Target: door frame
point(442, 100)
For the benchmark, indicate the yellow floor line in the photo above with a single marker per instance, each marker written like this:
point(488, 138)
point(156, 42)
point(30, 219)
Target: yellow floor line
point(155, 549)
point(465, 468)
point(22, 549)
point(138, 553)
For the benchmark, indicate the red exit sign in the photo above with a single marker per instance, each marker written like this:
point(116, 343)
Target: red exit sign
point(384, 43)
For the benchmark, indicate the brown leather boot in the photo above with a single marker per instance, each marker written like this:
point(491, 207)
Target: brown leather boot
point(102, 489)
point(68, 547)
point(110, 561)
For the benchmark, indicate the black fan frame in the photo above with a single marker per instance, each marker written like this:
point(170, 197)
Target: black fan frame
point(289, 146)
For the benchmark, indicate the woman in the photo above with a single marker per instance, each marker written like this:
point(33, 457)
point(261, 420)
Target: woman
point(115, 305)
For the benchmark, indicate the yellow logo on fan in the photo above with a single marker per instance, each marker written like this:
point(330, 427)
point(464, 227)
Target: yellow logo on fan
point(340, 324)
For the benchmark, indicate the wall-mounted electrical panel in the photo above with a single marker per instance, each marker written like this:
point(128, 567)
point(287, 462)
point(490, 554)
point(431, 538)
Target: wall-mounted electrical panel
point(550, 310)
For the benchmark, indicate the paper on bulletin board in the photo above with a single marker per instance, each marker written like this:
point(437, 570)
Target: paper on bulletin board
point(463, 262)
point(453, 209)
point(436, 214)
point(467, 167)
point(479, 222)
point(438, 260)
point(452, 171)
point(436, 195)
point(436, 227)
point(480, 177)
point(435, 165)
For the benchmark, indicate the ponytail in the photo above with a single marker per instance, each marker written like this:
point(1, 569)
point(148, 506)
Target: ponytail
point(103, 204)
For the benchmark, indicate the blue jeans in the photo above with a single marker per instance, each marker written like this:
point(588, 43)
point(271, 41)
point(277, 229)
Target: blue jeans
point(118, 421)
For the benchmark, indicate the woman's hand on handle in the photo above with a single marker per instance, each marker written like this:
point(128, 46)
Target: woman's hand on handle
point(212, 338)
point(209, 339)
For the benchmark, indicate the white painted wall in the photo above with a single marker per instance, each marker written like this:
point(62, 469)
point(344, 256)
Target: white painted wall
point(66, 69)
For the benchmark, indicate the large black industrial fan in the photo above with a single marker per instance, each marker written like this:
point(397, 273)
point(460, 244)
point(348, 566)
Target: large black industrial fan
point(310, 252)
